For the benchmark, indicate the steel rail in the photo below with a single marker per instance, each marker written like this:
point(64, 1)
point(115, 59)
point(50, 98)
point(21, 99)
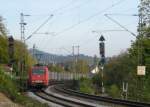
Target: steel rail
point(50, 99)
point(61, 101)
point(101, 98)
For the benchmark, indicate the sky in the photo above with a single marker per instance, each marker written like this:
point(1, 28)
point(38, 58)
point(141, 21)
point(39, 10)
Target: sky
point(74, 22)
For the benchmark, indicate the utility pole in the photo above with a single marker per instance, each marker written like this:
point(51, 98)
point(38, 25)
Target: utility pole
point(78, 51)
point(22, 31)
point(75, 57)
point(78, 47)
point(73, 61)
point(39, 57)
point(73, 51)
point(102, 60)
point(141, 67)
point(34, 50)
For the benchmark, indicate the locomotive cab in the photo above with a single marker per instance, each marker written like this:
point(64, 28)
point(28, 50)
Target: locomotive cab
point(39, 76)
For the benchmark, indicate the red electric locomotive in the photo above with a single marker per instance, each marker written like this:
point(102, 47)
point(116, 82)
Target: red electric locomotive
point(38, 76)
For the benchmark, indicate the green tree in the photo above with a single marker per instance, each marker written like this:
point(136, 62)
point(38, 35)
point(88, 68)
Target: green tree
point(3, 50)
point(82, 66)
point(3, 30)
point(117, 69)
point(144, 11)
point(19, 50)
point(3, 43)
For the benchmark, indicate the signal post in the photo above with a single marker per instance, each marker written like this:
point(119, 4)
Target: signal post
point(102, 61)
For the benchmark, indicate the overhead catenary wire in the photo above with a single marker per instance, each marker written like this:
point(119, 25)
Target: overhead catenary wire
point(40, 27)
point(66, 50)
point(56, 10)
point(101, 31)
point(64, 6)
point(120, 14)
point(120, 25)
point(90, 17)
point(110, 30)
point(78, 6)
point(50, 16)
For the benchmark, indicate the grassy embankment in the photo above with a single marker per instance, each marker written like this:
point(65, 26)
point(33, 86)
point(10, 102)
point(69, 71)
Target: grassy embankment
point(8, 86)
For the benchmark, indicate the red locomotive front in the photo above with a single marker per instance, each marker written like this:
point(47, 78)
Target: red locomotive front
point(39, 76)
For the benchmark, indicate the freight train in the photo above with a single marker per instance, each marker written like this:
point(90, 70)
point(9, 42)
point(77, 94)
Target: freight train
point(40, 76)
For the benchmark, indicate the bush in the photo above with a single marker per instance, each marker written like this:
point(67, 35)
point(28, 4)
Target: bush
point(9, 88)
point(114, 91)
point(85, 86)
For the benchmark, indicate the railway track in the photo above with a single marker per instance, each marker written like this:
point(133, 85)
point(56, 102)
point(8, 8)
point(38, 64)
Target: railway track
point(60, 101)
point(83, 98)
point(100, 98)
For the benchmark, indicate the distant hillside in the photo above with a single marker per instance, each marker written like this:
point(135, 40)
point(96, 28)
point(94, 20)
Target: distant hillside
point(45, 57)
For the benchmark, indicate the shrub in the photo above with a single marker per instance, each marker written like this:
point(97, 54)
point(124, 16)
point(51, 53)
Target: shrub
point(114, 91)
point(86, 86)
point(9, 87)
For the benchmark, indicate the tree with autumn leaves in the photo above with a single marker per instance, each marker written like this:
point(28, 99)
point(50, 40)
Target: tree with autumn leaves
point(18, 50)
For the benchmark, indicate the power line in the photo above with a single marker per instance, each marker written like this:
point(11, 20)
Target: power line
point(120, 14)
point(78, 6)
point(120, 25)
point(46, 21)
point(40, 27)
point(50, 16)
point(64, 6)
point(105, 31)
point(60, 9)
point(66, 50)
point(111, 30)
point(90, 17)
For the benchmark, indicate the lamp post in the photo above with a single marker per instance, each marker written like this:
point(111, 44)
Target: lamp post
point(102, 60)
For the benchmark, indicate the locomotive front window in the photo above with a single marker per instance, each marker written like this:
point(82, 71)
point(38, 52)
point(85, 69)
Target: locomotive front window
point(38, 71)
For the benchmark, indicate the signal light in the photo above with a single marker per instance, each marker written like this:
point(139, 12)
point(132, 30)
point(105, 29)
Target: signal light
point(11, 49)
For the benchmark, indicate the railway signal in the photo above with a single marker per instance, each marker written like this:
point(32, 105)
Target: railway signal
point(102, 59)
point(102, 50)
point(11, 50)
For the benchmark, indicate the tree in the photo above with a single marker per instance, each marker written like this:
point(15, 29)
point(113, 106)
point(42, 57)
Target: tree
point(95, 61)
point(82, 66)
point(117, 69)
point(19, 49)
point(3, 43)
point(144, 11)
point(3, 50)
point(3, 30)
point(123, 67)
